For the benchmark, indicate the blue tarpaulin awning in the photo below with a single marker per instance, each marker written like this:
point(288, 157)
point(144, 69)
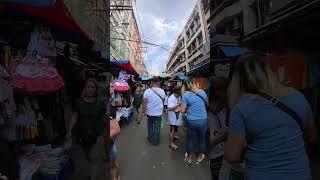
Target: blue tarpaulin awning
point(232, 51)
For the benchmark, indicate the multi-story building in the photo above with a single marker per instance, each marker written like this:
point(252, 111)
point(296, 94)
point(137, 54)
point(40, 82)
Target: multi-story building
point(237, 17)
point(188, 48)
point(92, 15)
point(136, 48)
point(120, 31)
point(125, 40)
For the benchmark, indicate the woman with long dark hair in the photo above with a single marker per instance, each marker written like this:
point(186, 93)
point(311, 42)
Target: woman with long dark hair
point(88, 126)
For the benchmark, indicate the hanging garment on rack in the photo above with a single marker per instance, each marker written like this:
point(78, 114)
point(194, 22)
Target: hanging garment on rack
point(314, 69)
point(36, 77)
point(42, 41)
point(291, 69)
point(7, 105)
point(7, 56)
point(26, 121)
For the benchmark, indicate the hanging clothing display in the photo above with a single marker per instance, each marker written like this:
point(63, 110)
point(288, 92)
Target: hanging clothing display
point(121, 86)
point(7, 56)
point(7, 105)
point(123, 75)
point(36, 76)
point(27, 119)
point(291, 69)
point(42, 41)
point(202, 83)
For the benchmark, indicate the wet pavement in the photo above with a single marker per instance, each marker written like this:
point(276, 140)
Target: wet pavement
point(141, 161)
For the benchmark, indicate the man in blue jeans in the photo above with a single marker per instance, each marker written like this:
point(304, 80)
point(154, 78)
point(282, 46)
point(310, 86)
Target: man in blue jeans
point(153, 100)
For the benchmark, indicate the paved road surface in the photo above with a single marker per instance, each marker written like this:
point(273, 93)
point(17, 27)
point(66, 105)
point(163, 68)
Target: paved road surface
point(141, 161)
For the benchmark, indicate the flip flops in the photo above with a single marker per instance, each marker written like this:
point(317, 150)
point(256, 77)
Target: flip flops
point(174, 147)
point(200, 160)
point(187, 159)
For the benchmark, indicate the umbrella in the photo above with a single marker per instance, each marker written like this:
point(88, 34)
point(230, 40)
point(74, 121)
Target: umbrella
point(146, 78)
point(165, 75)
point(121, 86)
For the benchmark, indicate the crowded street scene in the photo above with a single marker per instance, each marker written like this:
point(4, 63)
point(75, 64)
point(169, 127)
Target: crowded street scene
point(159, 90)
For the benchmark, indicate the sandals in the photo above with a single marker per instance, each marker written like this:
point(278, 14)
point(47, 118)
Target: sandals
point(187, 159)
point(200, 160)
point(174, 147)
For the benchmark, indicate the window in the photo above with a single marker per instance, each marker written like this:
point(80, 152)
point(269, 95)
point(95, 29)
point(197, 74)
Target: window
point(200, 39)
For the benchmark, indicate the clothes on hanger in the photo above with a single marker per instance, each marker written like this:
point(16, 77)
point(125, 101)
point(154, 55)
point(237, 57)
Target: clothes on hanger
point(291, 68)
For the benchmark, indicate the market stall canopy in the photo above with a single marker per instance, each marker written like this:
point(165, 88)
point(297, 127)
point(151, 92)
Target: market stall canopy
point(125, 65)
point(57, 15)
point(146, 78)
point(120, 86)
point(165, 75)
point(232, 51)
point(180, 77)
point(35, 3)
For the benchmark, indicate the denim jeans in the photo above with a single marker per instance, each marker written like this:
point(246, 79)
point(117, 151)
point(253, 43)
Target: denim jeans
point(193, 128)
point(154, 124)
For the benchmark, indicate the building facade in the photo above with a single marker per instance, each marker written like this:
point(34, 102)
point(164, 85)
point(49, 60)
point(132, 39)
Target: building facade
point(93, 16)
point(136, 48)
point(125, 39)
point(190, 44)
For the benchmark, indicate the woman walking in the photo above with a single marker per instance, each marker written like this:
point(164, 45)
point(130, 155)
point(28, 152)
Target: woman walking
point(87, 124)
point(137, 101)
point(194, 102)
point(173, 110)
point(268, 123)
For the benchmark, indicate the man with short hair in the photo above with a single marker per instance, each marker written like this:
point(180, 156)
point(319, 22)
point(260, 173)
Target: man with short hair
point(153, 100)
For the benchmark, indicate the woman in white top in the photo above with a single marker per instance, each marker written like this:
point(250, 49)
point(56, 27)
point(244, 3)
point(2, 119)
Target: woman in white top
point(174, 103)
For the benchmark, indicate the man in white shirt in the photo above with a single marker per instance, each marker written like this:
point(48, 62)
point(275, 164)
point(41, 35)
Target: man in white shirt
point(153, 105)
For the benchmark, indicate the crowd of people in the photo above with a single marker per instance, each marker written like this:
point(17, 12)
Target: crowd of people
point(250, 126)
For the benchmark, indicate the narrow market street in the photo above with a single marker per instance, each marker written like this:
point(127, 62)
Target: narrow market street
point(141, 161)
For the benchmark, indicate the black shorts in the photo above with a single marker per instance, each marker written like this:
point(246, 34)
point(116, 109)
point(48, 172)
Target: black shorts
point(173, 127)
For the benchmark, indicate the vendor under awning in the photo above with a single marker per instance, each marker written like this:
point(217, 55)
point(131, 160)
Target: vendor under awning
point(124, 65)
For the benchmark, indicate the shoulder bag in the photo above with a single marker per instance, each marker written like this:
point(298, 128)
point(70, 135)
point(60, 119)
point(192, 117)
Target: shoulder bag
point(158, 95)
point(205, 102)
point(275, 101)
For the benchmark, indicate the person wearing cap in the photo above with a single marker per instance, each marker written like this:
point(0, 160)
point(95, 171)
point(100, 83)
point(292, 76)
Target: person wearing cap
point(153, 106)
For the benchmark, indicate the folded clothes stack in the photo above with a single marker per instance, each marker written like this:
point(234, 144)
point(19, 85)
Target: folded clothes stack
point(51, 160)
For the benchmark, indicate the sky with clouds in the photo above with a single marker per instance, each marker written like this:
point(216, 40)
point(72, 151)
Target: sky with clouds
point(161, 21)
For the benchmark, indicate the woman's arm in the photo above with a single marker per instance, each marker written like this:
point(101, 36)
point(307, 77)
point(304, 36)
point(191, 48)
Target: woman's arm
point(74, 119)
point(114, 128)
point(234, 149)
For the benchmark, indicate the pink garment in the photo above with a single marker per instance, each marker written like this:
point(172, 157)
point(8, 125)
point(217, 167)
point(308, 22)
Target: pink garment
point(36, 77)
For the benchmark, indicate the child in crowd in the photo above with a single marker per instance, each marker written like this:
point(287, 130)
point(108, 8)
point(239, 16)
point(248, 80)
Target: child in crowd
point(217, 124)
point(174, 102)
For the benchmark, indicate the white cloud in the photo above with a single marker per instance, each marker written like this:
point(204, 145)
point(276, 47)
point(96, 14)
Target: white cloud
point(161, 23)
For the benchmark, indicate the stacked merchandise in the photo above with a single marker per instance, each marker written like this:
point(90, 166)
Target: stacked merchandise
point(46, 162)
